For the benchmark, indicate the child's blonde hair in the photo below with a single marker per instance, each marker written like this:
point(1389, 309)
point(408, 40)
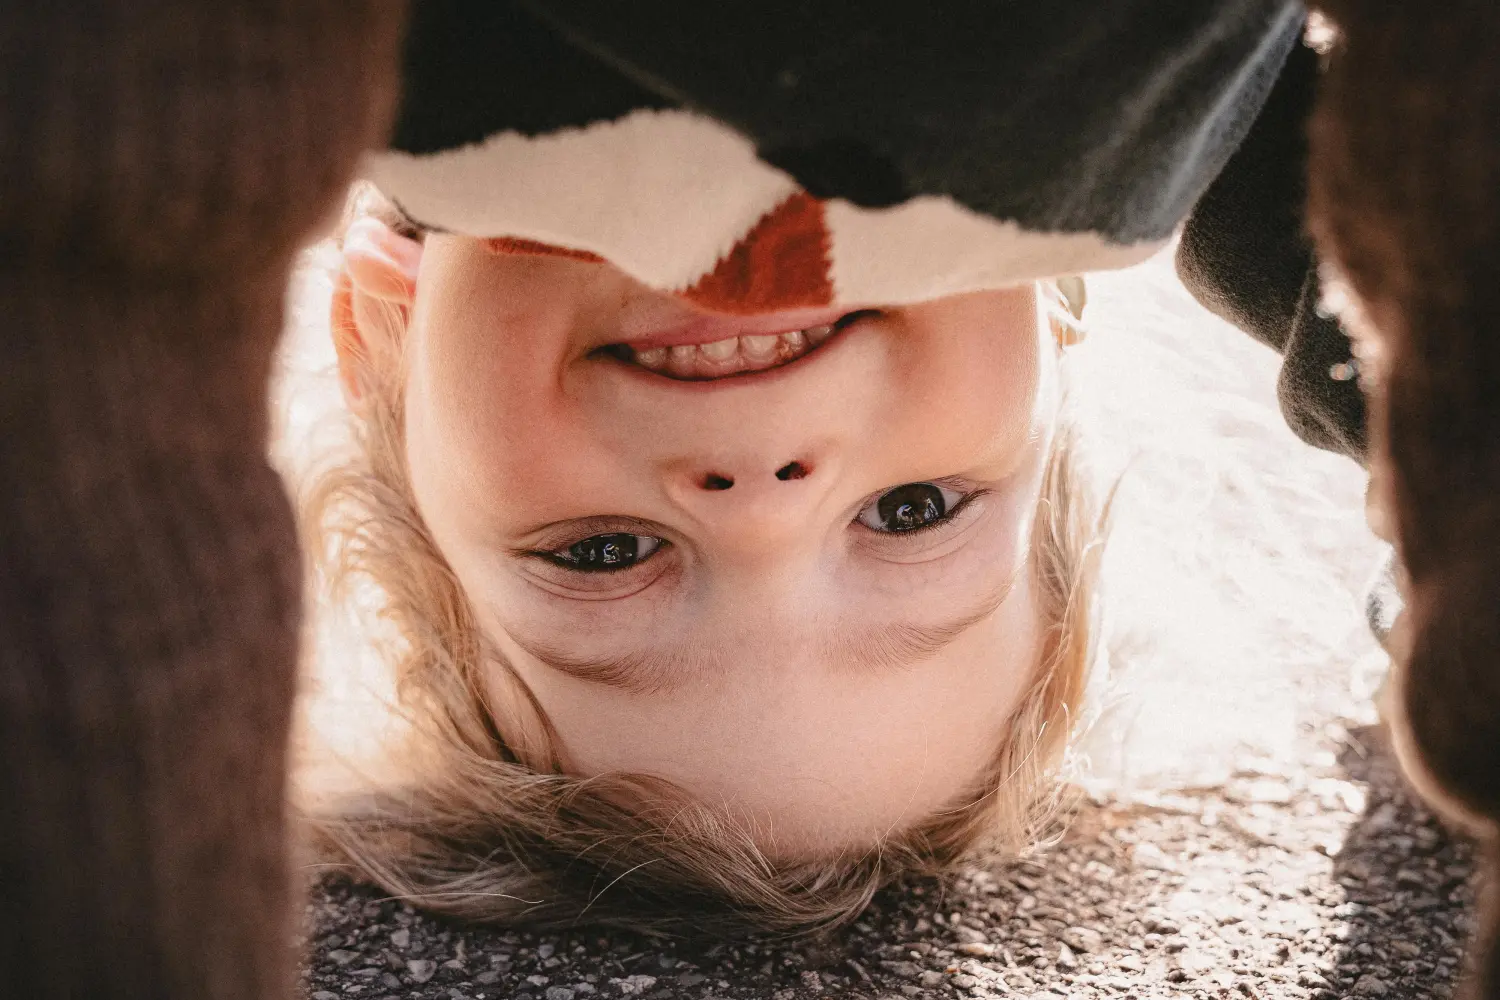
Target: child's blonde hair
point(494, 832)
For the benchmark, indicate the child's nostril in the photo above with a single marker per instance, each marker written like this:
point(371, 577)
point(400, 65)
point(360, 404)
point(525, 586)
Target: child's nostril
point(791, 470)
point(714, 481)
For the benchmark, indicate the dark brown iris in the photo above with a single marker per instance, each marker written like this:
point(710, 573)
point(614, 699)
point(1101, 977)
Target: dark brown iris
point(912, 506)
point(603, 552)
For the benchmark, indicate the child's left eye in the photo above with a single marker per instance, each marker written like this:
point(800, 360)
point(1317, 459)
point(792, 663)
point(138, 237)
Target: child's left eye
point(911, 507)
point(606, 553)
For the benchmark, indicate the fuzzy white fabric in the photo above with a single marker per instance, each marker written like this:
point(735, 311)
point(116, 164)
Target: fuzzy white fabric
point(662, 195)
point(930, 247)
point(666, 196)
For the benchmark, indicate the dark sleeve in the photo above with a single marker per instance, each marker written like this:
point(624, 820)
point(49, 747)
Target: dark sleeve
point(1246, 256)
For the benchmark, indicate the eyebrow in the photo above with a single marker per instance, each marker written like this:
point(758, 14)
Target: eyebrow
point(892, 646)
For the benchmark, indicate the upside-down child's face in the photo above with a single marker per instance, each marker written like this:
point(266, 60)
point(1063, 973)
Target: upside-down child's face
point(787, 572)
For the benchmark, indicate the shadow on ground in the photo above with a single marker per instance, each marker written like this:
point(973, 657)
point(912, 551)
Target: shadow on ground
point(1408, 885)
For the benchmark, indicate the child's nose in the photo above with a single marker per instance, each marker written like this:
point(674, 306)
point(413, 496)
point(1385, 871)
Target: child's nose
point(756, 499)
point(717, 482)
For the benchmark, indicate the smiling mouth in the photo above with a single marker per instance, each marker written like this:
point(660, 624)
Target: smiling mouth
point(743, 354)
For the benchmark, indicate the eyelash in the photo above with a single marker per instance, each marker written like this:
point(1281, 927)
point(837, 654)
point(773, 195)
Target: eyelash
point(948, 518)
point(559, 556)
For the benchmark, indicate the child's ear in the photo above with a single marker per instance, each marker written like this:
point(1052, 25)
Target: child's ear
point(373, 291)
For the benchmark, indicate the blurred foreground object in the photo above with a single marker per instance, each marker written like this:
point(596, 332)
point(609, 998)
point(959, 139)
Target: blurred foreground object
point(1404, 200)
point(162, 163)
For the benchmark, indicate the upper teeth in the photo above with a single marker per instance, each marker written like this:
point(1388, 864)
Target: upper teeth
point(721, 350)
point(732, 355)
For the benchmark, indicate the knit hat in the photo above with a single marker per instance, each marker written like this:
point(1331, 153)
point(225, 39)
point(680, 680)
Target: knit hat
point(753, 161)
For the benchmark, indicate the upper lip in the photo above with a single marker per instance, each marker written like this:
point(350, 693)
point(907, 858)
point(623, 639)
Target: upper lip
point(705, 328)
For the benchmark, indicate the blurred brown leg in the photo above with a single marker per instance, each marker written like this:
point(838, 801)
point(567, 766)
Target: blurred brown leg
point(161, 163)
point(1405, 200)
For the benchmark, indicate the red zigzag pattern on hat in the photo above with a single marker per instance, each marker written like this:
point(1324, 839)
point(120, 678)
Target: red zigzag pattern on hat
point(781, 263)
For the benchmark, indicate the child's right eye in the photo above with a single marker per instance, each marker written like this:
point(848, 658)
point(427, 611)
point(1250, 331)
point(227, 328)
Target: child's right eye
point(606, 553)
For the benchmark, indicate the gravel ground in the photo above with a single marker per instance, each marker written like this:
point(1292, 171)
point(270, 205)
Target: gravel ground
point(1322, 881)
point(1242, 830)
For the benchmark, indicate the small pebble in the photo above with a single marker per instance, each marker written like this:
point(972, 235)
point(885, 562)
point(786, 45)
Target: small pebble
point(969, 935)
point(1151, 856)
point(635, 985)
point(1082, 938)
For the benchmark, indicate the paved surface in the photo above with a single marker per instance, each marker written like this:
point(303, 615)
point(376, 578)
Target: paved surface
point(1240, 829)
point(1327, 882)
